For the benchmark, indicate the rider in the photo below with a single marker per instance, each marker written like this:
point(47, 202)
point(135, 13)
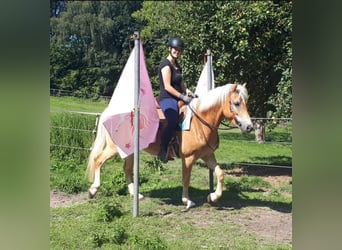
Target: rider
point(172, 89)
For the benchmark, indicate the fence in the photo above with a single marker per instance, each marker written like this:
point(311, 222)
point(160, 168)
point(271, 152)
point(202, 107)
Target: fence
point(61, 92)
point(88, 124)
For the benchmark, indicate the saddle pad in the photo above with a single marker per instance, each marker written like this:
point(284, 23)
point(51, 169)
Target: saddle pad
point(185, 124)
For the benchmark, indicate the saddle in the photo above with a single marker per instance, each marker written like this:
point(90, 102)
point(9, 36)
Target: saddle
point(173, 148)
point(181, 107)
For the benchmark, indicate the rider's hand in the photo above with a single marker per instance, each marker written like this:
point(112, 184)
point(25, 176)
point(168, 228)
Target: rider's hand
point(185, 99)
point(189, 93)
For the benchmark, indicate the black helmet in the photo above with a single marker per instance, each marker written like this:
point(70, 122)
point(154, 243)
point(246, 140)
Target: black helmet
point(175, 42)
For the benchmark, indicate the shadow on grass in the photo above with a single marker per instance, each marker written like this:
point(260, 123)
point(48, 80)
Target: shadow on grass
point(258, 169)
point(274, 160)
point(230, 200)
point(252, 170)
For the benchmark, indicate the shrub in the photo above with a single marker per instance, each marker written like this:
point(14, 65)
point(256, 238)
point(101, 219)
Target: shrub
point(98, 239)
point(118, 234)
point(110, 235)
point(108, 211)
point(148, 242)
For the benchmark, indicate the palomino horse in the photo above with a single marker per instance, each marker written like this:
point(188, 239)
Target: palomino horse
point(199, 142)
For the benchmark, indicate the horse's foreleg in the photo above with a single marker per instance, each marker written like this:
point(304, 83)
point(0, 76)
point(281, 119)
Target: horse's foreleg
point(214, 197)
point(128, 169)
point(212, 164)
point(186, 174)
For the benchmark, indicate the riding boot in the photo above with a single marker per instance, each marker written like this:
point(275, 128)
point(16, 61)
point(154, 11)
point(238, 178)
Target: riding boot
point(162, 155)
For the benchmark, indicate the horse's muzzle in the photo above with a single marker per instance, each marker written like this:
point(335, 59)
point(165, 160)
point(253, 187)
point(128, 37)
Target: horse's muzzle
point(245, 127)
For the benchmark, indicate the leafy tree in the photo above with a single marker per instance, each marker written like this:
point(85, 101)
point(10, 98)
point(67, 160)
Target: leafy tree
point(56, 6)
point(250, 41)
point(89, 44)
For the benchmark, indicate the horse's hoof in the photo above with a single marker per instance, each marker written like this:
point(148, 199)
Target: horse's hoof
point(185, 201)
point(212, 198)
point(189, 205)
point(140, 196)
point(209, 199)
point(91, 194)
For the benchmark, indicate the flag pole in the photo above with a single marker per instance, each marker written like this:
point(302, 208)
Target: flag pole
point(136, 123)
point(210, 86)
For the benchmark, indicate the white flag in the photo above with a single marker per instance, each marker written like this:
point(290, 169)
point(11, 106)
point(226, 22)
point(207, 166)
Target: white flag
point(203, 85)
point(118, 118)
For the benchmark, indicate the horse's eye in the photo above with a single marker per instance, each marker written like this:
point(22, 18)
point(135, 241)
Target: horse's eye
point(236, 103)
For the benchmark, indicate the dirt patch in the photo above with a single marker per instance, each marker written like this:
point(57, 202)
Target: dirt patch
point(61, 199)
point(266, 223)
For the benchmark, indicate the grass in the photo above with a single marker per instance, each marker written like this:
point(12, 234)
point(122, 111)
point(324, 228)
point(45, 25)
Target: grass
point(161, 224)
point(77, 104)
point(106, 222)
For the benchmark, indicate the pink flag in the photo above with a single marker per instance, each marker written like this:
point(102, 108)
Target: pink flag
point(118, 117)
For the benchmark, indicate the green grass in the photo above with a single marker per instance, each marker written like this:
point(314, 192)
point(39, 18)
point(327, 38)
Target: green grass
point(161, 224)
point(77, 104)
point(106, 222)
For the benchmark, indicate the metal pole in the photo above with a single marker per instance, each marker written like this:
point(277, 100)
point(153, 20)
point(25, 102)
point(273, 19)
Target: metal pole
point(209, 62)
point(210, 86)
point(136, 123)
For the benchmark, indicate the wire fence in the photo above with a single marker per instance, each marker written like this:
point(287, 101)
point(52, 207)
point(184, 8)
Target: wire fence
point(86, 132)
point(285, 122)
point(62, 92)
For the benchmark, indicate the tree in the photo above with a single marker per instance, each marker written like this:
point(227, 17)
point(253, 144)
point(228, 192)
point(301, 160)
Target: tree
point(93, 38)
point(250, 41)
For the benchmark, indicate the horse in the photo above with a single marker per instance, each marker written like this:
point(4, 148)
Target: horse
point(199, 142)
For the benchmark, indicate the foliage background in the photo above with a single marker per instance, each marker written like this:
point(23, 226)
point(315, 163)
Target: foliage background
point(251, 41)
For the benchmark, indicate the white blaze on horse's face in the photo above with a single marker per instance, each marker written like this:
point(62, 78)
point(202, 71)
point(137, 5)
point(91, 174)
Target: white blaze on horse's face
point(238, 109)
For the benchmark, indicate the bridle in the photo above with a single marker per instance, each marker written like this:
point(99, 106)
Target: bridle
point(212, 127)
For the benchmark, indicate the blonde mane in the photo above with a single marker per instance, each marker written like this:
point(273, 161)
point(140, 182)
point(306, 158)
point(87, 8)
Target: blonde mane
point(218, 95)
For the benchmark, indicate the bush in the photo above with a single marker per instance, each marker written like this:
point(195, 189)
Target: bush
point(148, 242)
point(108, 211)
point(111, 235)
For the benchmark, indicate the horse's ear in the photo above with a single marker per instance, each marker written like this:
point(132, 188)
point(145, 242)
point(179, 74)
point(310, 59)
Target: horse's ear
point(234, 87)
point(244, 84)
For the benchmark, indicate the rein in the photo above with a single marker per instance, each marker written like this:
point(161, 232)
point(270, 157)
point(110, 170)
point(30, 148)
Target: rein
point(228, 127)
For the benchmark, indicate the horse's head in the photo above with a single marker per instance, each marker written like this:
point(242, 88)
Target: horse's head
point(237, 111)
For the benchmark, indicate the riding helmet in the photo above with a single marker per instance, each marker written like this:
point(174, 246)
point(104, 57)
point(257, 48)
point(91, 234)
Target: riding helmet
point(175, 42)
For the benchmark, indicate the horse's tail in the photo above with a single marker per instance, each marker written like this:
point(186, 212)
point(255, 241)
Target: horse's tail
point(98, 146)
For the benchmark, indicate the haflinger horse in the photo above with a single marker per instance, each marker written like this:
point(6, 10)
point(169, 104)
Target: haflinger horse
point(199, 142)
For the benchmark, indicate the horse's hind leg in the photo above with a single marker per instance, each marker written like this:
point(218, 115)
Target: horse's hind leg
point(98, 161)
point(128, 169)
point(212, 164)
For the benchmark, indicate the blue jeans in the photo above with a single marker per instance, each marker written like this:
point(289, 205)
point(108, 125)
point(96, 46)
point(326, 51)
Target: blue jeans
point(170, 109)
